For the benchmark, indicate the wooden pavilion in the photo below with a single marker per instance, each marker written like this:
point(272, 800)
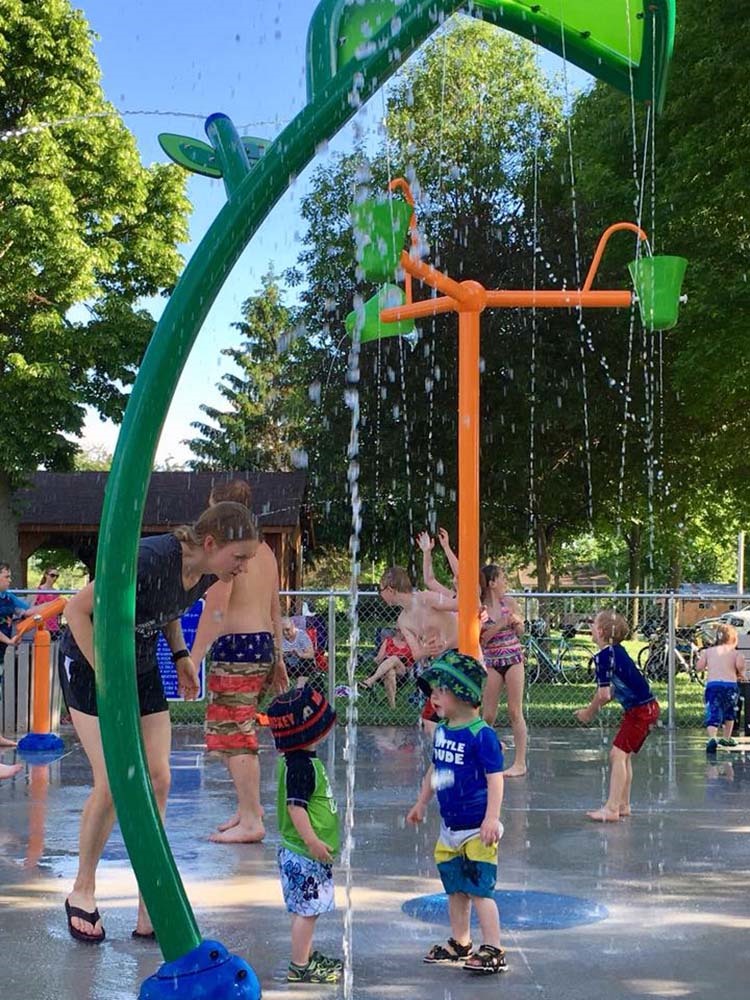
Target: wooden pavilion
point(62, 510)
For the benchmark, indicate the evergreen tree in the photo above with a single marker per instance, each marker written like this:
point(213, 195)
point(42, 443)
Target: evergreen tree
point(260, 429)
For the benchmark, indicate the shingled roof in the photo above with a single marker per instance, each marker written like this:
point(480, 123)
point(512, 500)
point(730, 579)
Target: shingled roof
point(75, 499)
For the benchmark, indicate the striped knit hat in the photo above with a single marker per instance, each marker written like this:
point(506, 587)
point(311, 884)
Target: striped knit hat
point(299, 717)
point(461, 674)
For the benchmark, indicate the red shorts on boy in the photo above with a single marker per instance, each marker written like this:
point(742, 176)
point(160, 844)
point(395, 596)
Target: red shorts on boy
point(636, 724)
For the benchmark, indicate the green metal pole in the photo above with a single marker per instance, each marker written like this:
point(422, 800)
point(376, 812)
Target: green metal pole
point(225, 139)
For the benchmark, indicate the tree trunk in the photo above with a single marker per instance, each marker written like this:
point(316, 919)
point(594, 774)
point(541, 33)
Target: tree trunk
point(635, 570)
point(9, 549)
point(543, 538)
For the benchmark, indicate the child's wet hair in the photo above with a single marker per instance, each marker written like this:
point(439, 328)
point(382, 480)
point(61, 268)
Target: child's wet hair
point(225, 522)
point(726, 635)
point(613, 628)
point(397, 579)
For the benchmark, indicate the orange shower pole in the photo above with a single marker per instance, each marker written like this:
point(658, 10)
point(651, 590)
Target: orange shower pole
point(39, 733)
point(469, 299)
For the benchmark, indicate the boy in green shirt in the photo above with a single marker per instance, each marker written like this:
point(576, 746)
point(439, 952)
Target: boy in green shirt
point(308, 822)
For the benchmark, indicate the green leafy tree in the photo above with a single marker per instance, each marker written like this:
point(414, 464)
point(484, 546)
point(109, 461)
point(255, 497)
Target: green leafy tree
point(81, 222)
point(686, 458)
point(260, 429)
point(458, 125)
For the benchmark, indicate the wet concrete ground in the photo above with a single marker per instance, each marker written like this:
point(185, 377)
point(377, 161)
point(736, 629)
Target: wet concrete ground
point(674, 878)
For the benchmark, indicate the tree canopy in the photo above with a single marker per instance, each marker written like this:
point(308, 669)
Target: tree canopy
point(82, 223)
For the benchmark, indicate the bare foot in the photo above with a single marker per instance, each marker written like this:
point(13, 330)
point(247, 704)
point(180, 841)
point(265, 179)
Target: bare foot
point(515, 771)
point(8, 770)
point(5, 742)
point(86, 902)
point(624, 811)
point(604, 815)
point(232, 821)
point(240, 834)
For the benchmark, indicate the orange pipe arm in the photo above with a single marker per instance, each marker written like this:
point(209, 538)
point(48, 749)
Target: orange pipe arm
point(418, 310)
point(520, 299)
point(432, 277)
point(45, 611)
point(616, 227)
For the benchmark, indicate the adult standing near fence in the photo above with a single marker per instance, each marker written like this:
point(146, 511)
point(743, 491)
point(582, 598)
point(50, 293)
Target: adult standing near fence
point(241, 622)
point(500, 639)
point(48, 582)
point(174, 571)
point(11, 607)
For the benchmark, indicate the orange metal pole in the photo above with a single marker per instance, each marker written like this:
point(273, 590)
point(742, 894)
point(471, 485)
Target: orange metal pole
point(41, 708)
point(468, 482)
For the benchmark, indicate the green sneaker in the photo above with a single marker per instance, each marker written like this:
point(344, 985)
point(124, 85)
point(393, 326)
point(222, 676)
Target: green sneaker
point(333, 963)
point(727, 742)
point(316, 971)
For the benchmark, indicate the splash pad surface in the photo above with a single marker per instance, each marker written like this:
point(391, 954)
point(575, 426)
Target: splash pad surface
point(673, 878)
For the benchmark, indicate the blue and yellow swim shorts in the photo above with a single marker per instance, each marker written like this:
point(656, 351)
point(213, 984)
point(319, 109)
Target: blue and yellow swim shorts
point(466, 865)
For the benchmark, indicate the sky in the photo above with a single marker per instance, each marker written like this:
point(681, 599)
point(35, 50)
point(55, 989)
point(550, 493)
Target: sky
point(245, 58)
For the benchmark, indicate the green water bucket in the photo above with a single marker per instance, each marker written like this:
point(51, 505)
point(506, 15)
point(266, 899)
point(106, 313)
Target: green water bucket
point(373, 328)
point(380, 229)
point(658, 283)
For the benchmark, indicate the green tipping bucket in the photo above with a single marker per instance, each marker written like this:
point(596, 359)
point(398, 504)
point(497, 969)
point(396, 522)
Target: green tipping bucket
point(380, 229)
point(373, 328)
point(658, 283)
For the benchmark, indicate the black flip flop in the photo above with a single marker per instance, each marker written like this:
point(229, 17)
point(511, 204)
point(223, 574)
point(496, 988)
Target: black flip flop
point(151, 936)
point(91, 918)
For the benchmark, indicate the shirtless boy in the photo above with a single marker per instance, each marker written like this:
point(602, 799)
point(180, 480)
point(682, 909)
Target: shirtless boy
point(724, 667)
point(428, 621)
point(241, 622)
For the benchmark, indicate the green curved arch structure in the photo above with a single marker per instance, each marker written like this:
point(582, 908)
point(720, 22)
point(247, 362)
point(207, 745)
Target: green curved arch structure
point(354, 46)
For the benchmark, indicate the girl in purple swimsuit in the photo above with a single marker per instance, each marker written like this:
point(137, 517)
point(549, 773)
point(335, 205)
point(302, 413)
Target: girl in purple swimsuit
point(503, 656)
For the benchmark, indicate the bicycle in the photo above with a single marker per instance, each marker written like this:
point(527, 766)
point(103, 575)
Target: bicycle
point(653, 658)
point(562, 660)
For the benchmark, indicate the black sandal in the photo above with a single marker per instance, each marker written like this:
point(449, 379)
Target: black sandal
point(150, 936)
point(451, 951)
point(489, 960)
point(91, 918)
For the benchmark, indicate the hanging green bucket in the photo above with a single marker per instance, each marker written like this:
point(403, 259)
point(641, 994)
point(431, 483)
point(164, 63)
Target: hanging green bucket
point(380, 229)
point(658, 282)
point(373, 328)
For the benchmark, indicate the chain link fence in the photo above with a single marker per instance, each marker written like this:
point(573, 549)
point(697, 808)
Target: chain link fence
point(667, 632)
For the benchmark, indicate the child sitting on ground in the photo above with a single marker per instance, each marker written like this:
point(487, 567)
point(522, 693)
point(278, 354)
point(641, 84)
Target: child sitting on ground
point(308, 822)
point(724, 666)
point(618, 677)
point(393, 662)
point(466, 772)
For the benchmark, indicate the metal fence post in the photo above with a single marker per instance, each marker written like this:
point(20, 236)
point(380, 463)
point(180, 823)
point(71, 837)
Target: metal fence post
point(331, 648)
point(670, 663)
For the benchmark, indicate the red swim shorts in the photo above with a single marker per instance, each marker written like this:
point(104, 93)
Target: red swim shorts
point(636, 724)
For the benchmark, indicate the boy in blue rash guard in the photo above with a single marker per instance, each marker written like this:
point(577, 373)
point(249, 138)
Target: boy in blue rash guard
point(618, 677)
point(466, 773)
